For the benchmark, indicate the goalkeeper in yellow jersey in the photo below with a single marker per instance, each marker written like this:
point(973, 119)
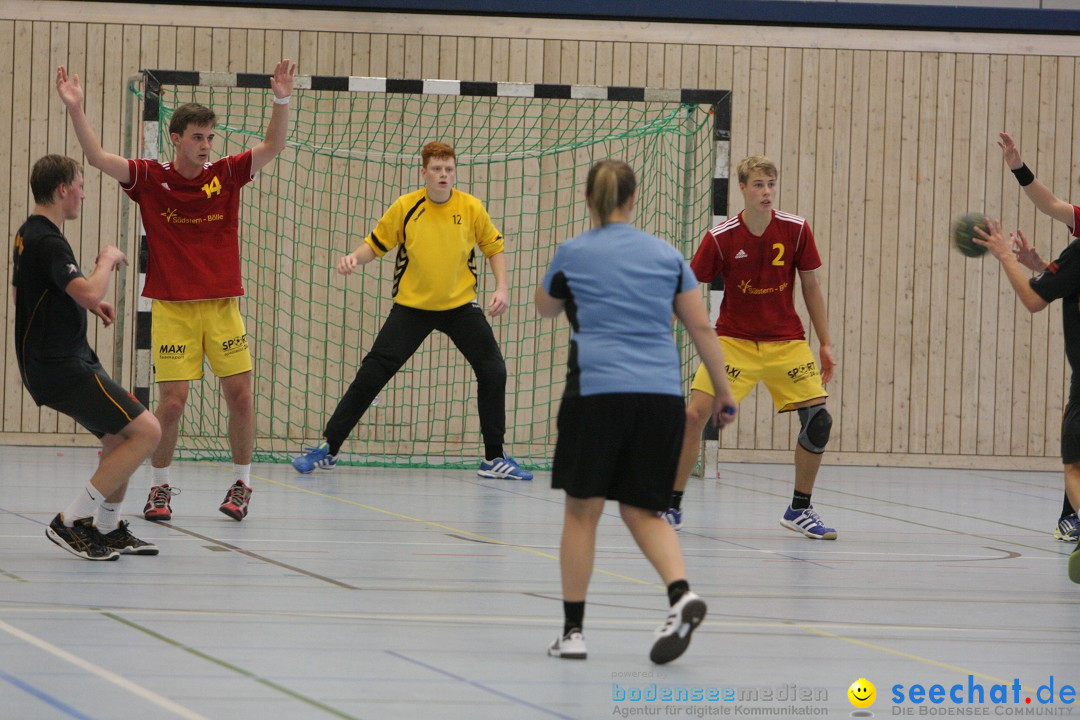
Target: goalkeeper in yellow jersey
point(436, 230)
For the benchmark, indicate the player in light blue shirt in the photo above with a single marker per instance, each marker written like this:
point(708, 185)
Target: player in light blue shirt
point(622, 415)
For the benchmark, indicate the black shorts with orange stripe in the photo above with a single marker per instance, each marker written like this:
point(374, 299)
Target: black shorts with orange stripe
point(86, 393)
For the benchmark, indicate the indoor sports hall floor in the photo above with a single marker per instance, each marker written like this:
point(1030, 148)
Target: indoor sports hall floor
point(371, 593)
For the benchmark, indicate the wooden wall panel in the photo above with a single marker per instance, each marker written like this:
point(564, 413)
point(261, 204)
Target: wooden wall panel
point(879, 146)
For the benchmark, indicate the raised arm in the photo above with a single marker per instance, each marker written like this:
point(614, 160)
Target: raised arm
point(1018, 276)
point(819, 319)
point(71, 94)
point(1045, 201)
point(277, 131)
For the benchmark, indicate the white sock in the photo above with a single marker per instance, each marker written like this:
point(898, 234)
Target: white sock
point(243, 473)
point(159, 476)
point(108, 517)
point(84, 505)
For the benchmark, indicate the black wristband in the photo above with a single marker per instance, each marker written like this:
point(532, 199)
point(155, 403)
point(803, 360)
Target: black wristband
point(1024, 176)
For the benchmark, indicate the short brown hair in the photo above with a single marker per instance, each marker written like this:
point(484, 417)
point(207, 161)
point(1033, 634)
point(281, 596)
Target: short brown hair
point(191, 114)
point(439, 150)
point(755, 163)
point(49, 173)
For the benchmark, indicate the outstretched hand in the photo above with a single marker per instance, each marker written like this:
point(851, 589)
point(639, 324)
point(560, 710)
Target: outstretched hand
point(68, 89)
point(1026, 254)
point(994, 240)
point(1010, 151)
point(281, 82)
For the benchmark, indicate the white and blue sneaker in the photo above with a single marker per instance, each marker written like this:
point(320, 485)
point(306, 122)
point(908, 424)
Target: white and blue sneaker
point(673, 517)
point(1068, 528)
point(504, 468)
point(315, 457)
point(807, 523)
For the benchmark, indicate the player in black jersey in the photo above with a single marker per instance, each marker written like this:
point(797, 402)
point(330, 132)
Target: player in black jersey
point(61, 371)
point(1059, 279)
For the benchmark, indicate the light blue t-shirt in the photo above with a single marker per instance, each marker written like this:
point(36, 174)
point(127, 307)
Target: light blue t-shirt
point(619, 284)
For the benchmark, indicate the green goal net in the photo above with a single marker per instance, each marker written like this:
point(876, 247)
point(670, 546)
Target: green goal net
point(350, 154)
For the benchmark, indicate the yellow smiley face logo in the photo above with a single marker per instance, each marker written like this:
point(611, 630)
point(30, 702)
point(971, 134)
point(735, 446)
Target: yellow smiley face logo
point(862, 693)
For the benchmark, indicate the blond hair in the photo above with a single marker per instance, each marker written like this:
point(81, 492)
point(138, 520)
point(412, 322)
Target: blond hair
point(755, 163)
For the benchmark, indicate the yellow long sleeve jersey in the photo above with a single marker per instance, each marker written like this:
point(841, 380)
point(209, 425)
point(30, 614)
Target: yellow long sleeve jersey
point(436, 259)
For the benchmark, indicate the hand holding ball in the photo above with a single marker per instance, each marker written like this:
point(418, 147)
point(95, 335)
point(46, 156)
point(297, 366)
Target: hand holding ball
point(963, 230)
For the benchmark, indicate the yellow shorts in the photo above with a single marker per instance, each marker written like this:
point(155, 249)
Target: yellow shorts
point(183, 333)
point(787, 368)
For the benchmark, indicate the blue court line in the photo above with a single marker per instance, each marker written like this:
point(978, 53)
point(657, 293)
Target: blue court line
point(480, 686)
point(43, 696)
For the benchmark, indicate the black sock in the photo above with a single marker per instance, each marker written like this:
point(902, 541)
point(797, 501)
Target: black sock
point(493, 451)
point(335, 447)
point(1067, 508)
point(574, 612)
point(800, 501)
point(676, 590)
point(676, 499)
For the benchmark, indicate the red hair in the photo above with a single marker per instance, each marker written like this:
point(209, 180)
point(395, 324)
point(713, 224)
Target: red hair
point(439, 150)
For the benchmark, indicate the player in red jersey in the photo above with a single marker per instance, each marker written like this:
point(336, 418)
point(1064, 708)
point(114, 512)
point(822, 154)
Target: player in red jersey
point(758, 253)
point(190, 209)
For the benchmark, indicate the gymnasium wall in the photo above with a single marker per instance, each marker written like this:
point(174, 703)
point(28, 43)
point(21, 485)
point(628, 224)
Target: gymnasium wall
point(881, 136)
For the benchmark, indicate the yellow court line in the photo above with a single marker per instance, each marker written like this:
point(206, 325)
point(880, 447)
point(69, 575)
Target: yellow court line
point(806, 628)
point(908, 656)
point(448, 528)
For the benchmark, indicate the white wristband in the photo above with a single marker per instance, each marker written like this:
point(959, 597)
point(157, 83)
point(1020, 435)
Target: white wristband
point(281, 101)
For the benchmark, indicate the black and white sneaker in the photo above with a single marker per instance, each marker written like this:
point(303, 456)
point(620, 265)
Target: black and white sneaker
point(568, 647)
point(673, 637)
point(82, 540)
point(125, 543)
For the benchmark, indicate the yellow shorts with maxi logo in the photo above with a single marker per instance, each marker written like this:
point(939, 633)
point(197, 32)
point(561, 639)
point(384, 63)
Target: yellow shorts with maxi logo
point(787, 368)
point(184, 333)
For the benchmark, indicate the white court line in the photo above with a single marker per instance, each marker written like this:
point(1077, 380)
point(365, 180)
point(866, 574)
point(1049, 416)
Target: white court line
point(162, 702)
point(545, 620)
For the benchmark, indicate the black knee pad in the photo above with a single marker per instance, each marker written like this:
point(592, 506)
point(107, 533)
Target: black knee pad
point(816, 426)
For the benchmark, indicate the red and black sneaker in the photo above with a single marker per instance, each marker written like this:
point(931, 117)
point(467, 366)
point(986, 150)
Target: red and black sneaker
point(236, 501)
point(157, 504)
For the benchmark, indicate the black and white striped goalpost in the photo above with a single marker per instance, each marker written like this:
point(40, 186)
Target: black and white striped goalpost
point(153, 80)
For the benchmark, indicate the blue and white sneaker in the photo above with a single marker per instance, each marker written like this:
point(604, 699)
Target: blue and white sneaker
point(673, 517)
point(807, 522)
point(504, 468)
point(1068, 529)
point(315, 457)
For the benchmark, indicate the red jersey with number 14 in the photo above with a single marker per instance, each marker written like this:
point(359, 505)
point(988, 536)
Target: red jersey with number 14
point(192, 227)
point(759, 275)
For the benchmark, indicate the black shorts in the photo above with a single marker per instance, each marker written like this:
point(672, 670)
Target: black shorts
point(86, 393)
point(622, 446)
point(1070, 433)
